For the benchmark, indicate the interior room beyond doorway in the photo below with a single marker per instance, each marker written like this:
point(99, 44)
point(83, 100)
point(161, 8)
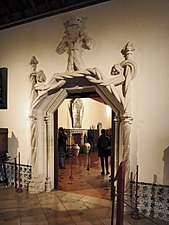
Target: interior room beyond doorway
point(82, 178)
point(83, 172)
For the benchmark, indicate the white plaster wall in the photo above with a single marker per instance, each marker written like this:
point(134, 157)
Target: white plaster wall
point(94, 113)
point(112, 24)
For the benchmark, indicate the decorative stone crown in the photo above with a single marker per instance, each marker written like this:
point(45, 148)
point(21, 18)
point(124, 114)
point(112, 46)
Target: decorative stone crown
point(74, 21)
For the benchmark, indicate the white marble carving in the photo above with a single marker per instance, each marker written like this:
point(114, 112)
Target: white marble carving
point(74, 40)
point(36, 77)
point(43, 102)
point(77, 111)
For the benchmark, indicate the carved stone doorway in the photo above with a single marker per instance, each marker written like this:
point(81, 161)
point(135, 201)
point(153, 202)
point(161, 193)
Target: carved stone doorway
point(44, 130)
point(114, 89)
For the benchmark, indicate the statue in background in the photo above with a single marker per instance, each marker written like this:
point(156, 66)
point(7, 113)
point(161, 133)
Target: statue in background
point(74, 40)
point(77, 110)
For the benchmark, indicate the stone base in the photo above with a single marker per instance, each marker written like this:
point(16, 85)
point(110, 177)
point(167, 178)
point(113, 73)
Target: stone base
point(48, 186)
point(36, 185)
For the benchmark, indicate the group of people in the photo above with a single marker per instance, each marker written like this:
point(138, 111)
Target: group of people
point(103, 145)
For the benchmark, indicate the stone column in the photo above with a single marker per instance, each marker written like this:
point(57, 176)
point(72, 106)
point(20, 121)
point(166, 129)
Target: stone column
point(36, 184)
point(129, 74)
point(126, 130)
point(48, 180)
point(33, 119)
point(117, 129)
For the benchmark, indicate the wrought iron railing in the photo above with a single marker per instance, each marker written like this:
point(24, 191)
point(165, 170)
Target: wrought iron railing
point(153, 200)
point(150, 200)
point(12, 170)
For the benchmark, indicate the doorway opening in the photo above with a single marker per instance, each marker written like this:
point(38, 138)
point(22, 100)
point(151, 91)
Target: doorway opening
point(83, 172)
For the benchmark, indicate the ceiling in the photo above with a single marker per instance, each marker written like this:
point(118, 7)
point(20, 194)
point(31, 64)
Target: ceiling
point(16, 12)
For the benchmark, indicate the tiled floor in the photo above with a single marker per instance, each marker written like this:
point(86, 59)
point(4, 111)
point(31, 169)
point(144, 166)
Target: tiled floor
point(58, 208)
point(83, 176)
point(83, 199)
point(54, 208)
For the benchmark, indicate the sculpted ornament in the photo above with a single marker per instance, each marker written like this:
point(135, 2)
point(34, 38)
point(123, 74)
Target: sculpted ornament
point(118, 76)
point(74, 41)
point(36, 77)
point(118, 82)
point(76, 112)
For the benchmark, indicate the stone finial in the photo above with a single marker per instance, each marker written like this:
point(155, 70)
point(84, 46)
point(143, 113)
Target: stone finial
point(116, 69)
point(41, 77)
point(128, 50)
point(34, 62)
point(79, 21)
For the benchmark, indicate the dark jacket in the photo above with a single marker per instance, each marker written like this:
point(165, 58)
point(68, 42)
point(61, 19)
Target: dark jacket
point(62, 140)
point(102, 144)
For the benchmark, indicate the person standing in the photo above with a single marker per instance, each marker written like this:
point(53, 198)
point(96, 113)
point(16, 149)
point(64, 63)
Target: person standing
point(102, 144)
point(62, 147)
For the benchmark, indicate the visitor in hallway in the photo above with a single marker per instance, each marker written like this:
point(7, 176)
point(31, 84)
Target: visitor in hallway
point(62, 147)
point(103, 143)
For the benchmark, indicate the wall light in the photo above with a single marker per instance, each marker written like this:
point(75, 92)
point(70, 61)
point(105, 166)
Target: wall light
point(108, 110)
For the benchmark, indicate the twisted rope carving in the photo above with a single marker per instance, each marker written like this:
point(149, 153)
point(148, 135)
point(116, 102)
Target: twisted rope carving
point(33, 140)
point(93, 75)
point(129, 73)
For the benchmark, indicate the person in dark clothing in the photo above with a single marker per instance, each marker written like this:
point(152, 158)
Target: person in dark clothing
point(102, 144)
point(62, 147)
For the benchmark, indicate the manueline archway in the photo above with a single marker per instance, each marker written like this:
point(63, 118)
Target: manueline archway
point(114, 89)
point(42, 127)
